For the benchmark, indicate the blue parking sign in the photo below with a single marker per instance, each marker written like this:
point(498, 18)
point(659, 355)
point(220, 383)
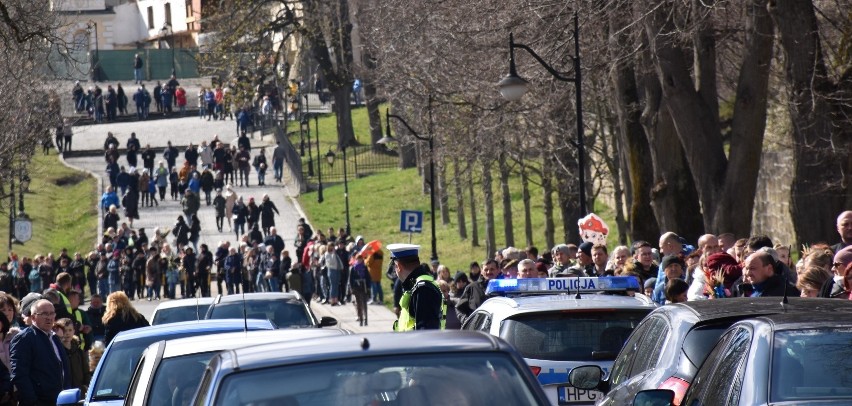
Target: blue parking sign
point(411, 221)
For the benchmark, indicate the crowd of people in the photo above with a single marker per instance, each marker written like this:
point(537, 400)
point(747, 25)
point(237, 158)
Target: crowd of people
point(715, 267)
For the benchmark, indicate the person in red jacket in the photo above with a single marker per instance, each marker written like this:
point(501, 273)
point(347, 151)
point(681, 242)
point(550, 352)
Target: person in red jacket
point(180, 97)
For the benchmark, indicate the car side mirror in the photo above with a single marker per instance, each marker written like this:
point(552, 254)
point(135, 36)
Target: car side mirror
point(69, 397)
point(326, 321)
point(586, 377)
point(654, 397)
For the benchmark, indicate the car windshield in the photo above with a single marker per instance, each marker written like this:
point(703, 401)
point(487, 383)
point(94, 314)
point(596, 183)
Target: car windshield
point(593, 335)
point(117, 366)
point(283, 313)
point(178, 314)
point(177, 378)
point(437, 379)
point(811, 364)
point(119, 362)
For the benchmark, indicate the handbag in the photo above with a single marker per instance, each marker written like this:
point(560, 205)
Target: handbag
point(267, 275)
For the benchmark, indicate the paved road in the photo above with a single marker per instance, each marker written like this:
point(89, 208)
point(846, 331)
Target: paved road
point(182, 131)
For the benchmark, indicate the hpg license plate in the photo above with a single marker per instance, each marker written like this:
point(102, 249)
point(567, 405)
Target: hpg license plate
point(568, 395)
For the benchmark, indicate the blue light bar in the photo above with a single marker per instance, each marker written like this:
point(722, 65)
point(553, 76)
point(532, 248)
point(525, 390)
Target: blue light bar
point(562, 285)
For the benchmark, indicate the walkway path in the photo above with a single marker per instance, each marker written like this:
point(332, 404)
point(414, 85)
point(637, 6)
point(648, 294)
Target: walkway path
point(182, 131)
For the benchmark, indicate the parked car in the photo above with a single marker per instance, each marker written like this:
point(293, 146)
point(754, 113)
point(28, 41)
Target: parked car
point(285, 310)
point(555, 330)
point(412, 369)
point(174, 311)
point(666, 349)
point(111, 378)
point(170, 364)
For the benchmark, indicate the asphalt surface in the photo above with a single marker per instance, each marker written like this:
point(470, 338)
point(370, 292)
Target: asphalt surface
point(182, 131)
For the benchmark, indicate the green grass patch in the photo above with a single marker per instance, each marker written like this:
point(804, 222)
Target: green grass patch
point(61, 204)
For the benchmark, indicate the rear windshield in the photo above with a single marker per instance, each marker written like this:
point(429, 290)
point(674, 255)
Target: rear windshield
point(177, 378)
point(811, 364)
point(595, 335)
point(699, 341)
point(283, 313)
point(436, 379)
point(178, 314)
point(119, 362)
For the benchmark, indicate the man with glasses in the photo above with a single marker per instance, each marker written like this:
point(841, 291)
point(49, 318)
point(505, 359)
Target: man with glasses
point(40, 366)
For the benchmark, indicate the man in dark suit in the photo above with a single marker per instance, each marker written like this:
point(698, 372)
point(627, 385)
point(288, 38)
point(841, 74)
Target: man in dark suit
point(40, 366)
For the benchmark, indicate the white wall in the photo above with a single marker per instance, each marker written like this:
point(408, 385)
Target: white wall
point(178, 11)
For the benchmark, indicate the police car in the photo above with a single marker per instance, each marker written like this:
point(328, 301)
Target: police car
point(557, 324)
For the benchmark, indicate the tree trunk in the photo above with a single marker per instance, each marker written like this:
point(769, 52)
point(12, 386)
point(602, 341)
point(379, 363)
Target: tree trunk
point(693, 119)
point(673, 197)
point(488, 197)
point(343, 113)
point(444, 197)
point(474, 225)
point(547, 204)
point(734, 213)
point(459, 194)
point(643, 223)
point(373, 114)
point(617, 190)
point(821, 132)
point(508, 226)
point(525, 186)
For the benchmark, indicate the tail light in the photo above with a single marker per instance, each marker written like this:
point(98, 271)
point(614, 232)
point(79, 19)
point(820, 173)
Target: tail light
point(535, 370)
point(678, 386)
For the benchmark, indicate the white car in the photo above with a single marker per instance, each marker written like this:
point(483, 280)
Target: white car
point(174, 311)
point(557, 324)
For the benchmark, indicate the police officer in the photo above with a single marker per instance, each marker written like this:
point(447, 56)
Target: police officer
point(421, 306)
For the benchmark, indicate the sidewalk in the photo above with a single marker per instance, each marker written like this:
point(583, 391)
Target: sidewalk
point(182, 131)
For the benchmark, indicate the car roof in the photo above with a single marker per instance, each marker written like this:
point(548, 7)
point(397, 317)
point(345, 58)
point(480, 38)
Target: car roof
point(797, 321)
point(257, 296)
point(171, 304)
point(364, 345)
point(705, 310)
point(193, 326)
point(535, 303)
point(226, 341)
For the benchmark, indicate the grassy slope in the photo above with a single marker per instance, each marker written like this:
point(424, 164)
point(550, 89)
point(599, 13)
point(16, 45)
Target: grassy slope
point(375, 202)
point(61, 204)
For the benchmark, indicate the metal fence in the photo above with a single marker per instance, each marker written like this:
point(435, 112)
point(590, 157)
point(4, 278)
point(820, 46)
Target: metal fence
point(360, 161)
point(113, 65)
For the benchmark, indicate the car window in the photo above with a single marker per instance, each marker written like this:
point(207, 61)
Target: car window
point(437, 379)
point(571, 336)
point(621, 367)
point(811, 364)
point(177, 378)
point(472, 321)
point(178, 314)
point(651, 346)
point(698, 389)
point(283, 313)
point(721, 384)
point(700, 340)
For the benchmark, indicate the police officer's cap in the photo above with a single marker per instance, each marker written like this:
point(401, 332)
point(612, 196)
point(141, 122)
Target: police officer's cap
point(399, 251)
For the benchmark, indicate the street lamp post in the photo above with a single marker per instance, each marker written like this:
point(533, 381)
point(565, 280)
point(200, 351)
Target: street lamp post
point(513, 87)
point(11, 212)
point(387, 139)
point(95, 74)
point(306, 123)
point(319, 163)
point(167, 31)
point(329, 157)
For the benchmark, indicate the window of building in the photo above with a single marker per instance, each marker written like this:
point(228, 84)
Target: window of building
point(168, 14)
point(150, 18)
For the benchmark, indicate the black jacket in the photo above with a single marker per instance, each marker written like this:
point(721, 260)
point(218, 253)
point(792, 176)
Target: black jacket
point(426, 300)
point(774, 286)
point(471, 298)
point(36, 369)
point(118, 324)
